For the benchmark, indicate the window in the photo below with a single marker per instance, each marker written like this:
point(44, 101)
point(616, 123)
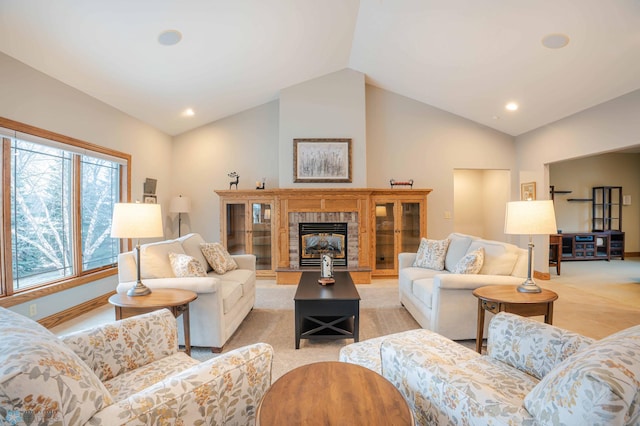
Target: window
point(58, 199)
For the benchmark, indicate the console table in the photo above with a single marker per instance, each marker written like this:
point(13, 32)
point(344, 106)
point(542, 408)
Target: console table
point(592, 245)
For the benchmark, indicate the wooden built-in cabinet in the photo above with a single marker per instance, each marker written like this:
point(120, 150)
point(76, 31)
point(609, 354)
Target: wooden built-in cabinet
point(247, 229)
point(258, 222)
point(399, 223)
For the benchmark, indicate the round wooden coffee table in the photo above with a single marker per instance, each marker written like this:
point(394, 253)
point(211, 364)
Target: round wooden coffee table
point(507, 298)
point(176, 300)
point(333, 393)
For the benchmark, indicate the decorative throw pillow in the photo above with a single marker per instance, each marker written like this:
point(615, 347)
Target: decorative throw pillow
point(184, 265)
point(471, 263)
point(431, 254)
point(218, 257)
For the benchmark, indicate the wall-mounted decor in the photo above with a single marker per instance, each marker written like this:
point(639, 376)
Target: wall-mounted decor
point(322, 160)
point(528, 191)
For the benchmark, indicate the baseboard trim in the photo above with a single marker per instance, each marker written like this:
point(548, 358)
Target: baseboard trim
point(75, 311)
point(541, 275)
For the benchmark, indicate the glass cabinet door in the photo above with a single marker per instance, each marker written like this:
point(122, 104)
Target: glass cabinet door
point(385, 235)
point(236, 229)
point(261, 234)
point(410, 227)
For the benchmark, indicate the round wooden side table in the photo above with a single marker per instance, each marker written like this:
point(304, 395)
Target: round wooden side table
point(507, 298)
point(333, 393)
point(176, 300)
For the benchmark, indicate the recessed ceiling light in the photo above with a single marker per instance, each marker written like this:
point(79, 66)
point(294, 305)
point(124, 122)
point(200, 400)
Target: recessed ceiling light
point(511, 106)
point(555, 41)
point(169, 37)
point(188, 112)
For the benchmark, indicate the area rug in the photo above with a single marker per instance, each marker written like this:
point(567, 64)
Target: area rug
point(272, 321)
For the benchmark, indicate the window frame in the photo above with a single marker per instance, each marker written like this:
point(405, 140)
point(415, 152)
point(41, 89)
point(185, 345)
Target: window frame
point(7, 295)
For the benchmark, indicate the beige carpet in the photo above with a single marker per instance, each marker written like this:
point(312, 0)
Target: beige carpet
point(272, 321)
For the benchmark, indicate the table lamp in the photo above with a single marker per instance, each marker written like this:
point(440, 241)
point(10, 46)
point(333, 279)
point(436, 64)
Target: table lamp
point(136, 220)
point(530, 218)
point(180, 205)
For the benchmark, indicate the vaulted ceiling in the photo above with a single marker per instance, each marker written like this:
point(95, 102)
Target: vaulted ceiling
point(467, 57)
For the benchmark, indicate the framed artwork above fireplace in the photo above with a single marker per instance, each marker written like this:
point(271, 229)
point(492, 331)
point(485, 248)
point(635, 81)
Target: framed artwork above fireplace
point(322, 160)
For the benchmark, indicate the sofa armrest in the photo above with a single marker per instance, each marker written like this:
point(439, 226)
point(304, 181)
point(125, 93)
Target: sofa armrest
point(531, 346)
point(406, 260)
point(223, 390)
point(245, 261)
point(472, 281)
point(199, 285)
point(116, 347)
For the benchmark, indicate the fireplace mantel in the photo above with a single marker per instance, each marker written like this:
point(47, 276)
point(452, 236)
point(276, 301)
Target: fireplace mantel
point(290, 201)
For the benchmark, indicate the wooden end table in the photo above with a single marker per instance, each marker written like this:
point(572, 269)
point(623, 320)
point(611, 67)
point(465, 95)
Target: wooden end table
point(333, 393)
point(177, 301)
point(507, 298)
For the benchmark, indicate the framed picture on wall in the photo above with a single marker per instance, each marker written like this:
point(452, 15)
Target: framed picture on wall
point(528, 191)
point(322, 160)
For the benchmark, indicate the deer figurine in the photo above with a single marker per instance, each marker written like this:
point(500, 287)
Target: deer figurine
point(234, 175)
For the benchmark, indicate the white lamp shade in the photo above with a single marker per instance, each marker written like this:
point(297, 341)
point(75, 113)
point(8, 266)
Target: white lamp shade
point(536, 217)
point(136, 220)
point(180, 205)
point(381, 211)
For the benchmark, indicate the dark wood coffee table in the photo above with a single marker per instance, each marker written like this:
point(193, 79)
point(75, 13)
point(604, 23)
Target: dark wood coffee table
point(333, 393)
point(326, 311)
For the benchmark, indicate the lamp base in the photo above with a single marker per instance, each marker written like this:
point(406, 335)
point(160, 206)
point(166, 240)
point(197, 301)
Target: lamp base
point(139, 290)
point(529, 286)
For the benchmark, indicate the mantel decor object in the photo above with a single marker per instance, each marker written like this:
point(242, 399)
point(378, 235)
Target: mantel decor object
point(236, 177)
point(321, 160)
point(395, 183)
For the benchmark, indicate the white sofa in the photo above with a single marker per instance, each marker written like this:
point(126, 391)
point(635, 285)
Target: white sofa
point(224, 300)
point(443, 302)
point(533, 374)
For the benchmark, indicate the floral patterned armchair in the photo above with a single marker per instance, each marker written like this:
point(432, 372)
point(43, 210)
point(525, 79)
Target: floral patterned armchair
point(125, 372)
point(533, 374)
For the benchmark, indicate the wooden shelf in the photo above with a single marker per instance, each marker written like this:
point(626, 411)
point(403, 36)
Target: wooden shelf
point(579, 199)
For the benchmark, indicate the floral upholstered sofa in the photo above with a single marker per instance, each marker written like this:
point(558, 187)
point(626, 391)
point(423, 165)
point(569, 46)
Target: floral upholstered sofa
point(125, 372)
point(533, 374)
point(225, 284)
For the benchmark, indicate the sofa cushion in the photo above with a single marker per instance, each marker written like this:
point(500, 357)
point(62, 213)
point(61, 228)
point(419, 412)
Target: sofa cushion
point(191, 246)
point(126, 384)
point(423, 291)
point(231, 293)
point(471, 263)
point(218, 257)
point(499, 258)
point(43, 376)
point(243, 276)
point(154, 259)
point(184, 265)
point(431, 254)
point(598, 385)
point(458, 247)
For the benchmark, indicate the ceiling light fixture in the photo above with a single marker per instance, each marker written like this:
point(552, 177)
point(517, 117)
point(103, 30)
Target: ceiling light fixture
point(555, 41)
point(188, 112)
point(511, 106)
point(169, 37)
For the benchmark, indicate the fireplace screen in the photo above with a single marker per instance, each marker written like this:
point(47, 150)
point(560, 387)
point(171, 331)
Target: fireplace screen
point(317, 239)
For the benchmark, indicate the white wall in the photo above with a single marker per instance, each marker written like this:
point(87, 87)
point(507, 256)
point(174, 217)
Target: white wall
point(246, 143)
point(36, 99)
point(607, 127)
point(407, 139)
point(331, 106)
point(581, 175)
point(480, 197)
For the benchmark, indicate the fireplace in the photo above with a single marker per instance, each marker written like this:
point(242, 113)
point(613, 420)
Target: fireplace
point(316, 239)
